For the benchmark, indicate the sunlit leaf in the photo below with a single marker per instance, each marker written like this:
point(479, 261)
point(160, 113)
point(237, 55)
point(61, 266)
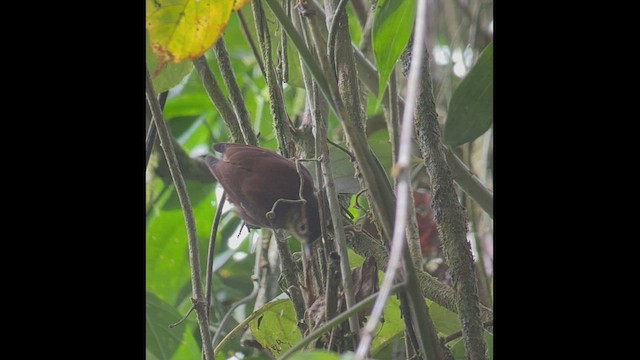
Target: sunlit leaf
point(471, 106)
point(392, 24)
point(239, 4)
point(161, 341)
point(185, 29)
point(275, 328)
point(393, 325)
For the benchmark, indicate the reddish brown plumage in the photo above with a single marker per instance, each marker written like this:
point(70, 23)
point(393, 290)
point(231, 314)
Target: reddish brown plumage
point(255, 178)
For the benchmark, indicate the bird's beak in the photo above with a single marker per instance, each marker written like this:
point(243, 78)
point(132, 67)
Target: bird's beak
point(306, 248)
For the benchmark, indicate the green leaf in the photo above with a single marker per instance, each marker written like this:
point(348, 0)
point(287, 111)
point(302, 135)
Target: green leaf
point(446, 321)
point(161, 341)
point(192, 104)
point(342, 170)
point(392, 24)
point(393, 325)
point(275, 328)
point(471, 106)
point(167, 260)
point(379, 142)
point(190, 348)
point(170, 75)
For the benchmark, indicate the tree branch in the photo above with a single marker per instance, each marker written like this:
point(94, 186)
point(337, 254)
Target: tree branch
point(211, 253)
point(450, 219)
point(281, 122)
point(217, 98)
point(235, 95)
point(181, 188)
point(152, 133)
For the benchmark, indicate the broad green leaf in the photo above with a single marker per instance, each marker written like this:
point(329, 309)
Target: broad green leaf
point(294, 70)
point(170, 75)
point(446, 321)
point(275, 328)
point(167, 260)
point(379, 142)
point(191, 104)
point(355, 260)
point(342, 170)
point(161, 341)
point(185, 29)
point(190, 347)
point(393, 325)
point(392, 24)
point(471, 106)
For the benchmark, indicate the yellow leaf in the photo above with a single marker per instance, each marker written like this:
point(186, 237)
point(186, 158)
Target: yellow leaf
point(239, 4)
point(185, 29)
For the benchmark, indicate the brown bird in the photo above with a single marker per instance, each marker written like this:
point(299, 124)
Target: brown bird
point(254, 179)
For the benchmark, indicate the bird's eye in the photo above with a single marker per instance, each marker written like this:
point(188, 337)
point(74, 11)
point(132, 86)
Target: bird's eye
point(301, 227)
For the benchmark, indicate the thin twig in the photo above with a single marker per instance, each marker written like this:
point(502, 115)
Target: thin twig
point(183, 197)
point(247, 35)
point(428, 338)
point(211, 253)
point(171, 326)
point(458, 334)
point(333, 31)
point(227, 316)
point(344, 150)
point(217, 98)
point(152, 132)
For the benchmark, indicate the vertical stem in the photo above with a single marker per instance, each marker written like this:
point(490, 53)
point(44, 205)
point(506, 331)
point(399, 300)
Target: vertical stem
point(450, 219)
point(334, 210)
point(280, 119)
point(210, 254)
point(252, 44)
point(199, 302)
point(217, 98)
point(152, 133)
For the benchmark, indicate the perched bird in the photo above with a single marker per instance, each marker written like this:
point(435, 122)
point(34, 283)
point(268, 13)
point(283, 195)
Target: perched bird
point(255, 179)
